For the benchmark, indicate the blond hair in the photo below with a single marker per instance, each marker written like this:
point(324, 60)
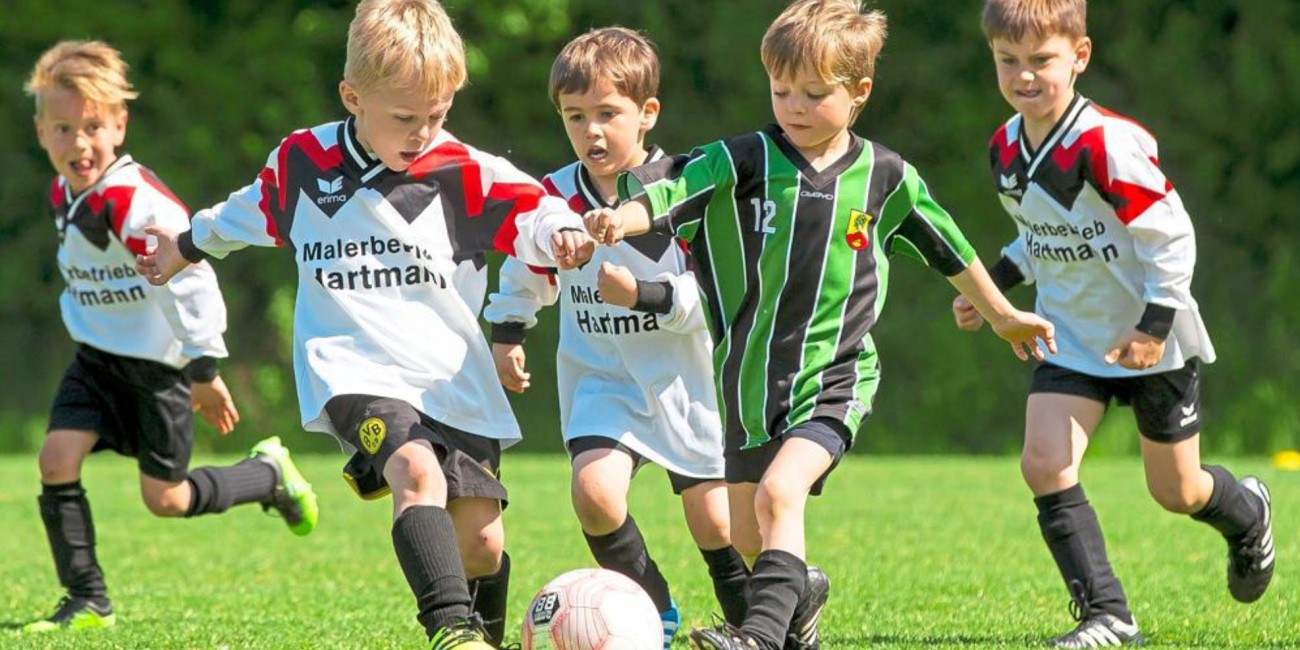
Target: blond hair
point(407, 44)
point(1014, 19)
point(624, 57)
point(92, 69)
point(832, 38)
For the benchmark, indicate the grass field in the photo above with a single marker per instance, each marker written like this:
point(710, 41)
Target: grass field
point(922, 553)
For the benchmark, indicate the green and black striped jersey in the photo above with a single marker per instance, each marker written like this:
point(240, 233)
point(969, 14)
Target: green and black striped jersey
point(794, 264)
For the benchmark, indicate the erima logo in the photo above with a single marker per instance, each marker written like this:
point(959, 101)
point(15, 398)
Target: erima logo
point(1189, 415)
point(330, 191)
point(1009, 184)
point(817, 195)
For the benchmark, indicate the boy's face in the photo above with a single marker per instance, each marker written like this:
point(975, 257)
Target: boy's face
point(812, 112)
point(606, 128)
point(1036, 75)
point(81, 137)
point(396, 124)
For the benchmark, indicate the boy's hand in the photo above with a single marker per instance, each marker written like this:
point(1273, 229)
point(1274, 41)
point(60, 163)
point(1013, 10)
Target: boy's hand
point(509, 359)
point(617, 285)
point(968, 318)
point(1024, 330)
point(164, 260)
point(604, 225)
point(572, 248)
point(213, 402)
point(1136, 351)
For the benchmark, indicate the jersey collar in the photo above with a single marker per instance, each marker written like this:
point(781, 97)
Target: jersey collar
point(818, 179)
point(588, 186)
point(72, 202)
point(357, 156)
point(1033, 158)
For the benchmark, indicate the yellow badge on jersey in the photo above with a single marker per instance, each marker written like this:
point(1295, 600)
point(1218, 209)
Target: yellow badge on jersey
point(856, 236)
point(372, 434)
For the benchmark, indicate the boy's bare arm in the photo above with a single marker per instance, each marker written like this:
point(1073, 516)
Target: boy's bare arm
point(1023, 330)
point(610, 226)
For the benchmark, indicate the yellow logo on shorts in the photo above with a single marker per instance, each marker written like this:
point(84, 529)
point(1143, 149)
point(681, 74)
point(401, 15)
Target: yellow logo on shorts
point(856, 235)
point(372, 434)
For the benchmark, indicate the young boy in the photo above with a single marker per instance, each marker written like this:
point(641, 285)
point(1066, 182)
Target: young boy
point(791, 228)
point(1106, 239)
point(633, 356)
point(146, 357)
point(388, 217)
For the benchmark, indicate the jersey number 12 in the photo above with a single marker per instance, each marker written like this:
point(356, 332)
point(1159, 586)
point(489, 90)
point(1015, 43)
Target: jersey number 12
point(764, 212)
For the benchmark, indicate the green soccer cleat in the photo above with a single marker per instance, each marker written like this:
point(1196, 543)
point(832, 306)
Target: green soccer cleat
point(294, 499)
point(74, 613)
point(464, 634)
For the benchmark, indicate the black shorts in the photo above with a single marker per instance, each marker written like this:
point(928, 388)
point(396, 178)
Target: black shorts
point(378, 426)
point(748, 465)
point(139, 408)
point(1167, 404)
point(679, 482)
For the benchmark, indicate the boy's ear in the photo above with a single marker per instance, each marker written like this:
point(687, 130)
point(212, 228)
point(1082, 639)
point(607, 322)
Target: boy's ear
point(1082, 54)
point(861, 91)
point(350, 99)
point(122, 118)
point(649, 114)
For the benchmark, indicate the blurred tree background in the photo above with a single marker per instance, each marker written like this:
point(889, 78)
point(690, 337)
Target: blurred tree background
point(1217, 81)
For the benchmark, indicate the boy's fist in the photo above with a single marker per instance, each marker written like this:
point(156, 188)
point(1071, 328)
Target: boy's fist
point(509, 359)
point(967, 317)
point(572, 248)
point(604, 225)
point(617, 285)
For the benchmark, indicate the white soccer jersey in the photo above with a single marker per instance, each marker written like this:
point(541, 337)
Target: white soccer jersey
point(391, 269)
point(1103, 234)
point(106, 304)
point(641, 378)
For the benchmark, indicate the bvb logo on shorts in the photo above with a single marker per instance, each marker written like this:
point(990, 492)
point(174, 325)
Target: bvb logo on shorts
point(372, 434)
point(856, 236)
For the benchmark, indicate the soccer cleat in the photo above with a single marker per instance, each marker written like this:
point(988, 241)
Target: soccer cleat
point(74, 613)
point(1100, 631)
point(672, 620)
point(722, 637)
point(802, 634)
point(1250, 556)
point(464, 634)
point(293, 498)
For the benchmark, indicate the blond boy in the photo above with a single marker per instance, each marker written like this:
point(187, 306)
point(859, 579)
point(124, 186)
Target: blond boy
point(146, 356)
point(791, 229)
point(388, 217)
point(1106, 240)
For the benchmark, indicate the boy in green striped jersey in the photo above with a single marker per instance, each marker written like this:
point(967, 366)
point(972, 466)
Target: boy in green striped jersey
point(791, 228)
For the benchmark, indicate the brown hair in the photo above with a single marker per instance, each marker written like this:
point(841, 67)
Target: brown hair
point(624, 57)
point(831, 37)
point(1016, 19)
point(92, 69)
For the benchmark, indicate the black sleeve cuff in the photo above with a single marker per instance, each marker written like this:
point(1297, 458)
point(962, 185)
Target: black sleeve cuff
point(188, 250)
point(571, 229)
point(509, 333)
point(1006, 274)
point(202, 370)
point(654, 297)
point(1157, 321)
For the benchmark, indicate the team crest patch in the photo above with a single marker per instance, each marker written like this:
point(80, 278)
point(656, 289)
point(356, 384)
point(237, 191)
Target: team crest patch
point(856, 236)
point(372, 434)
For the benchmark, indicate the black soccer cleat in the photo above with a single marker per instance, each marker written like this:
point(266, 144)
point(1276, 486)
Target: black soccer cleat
point(802, 634)
point(1250, 556)
point(722, 637)
point(75, 613)
point(1100, 631)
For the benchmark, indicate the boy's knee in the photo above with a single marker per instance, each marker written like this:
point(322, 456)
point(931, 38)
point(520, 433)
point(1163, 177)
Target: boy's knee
point(415, 472)
point(1040, 466)
point(1176, 497)
point(483, 556)
point(59, 463)
point(168, 502)
point(777, 495)
point(596, 509)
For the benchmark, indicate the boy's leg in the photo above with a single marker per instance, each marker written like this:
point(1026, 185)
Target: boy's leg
point(709, 520)
point(480, 537)
point(1057, 428)
point(268, 477)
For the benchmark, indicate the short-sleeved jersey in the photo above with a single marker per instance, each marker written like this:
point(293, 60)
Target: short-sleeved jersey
point(1102, 233)
point(642, 378)
point(106, 304)
point(794, 265)
point(391, 269)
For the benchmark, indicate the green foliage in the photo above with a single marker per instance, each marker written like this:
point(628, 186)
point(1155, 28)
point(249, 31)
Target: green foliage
point(221, 83)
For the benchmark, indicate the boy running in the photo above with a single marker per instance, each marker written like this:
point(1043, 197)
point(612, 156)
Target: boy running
point(633, 359)
point(388, 217)
point(1105, 238)
point(791, 229)
point(146, 357)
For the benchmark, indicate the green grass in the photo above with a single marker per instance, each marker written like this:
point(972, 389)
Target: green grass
point(922, 553)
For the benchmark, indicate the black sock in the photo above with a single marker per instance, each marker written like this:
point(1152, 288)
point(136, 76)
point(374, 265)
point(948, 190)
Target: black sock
point(216, 489)
point(730, 575)
point(775, 586)
point(489, 594)
point(425, 542)
point(1073, 534)
point(1232, 510)
point(71, 531)
point(624, 551)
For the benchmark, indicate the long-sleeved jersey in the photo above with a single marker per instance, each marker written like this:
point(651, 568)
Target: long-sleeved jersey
point(642, 378)
point(1103, 235)
point(391, 267)
point(107, 305)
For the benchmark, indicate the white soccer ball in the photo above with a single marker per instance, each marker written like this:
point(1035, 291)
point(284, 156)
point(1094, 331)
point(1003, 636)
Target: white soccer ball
point(592, 609)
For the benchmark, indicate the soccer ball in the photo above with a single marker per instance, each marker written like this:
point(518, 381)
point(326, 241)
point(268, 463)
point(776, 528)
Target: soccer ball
point(592, 609)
